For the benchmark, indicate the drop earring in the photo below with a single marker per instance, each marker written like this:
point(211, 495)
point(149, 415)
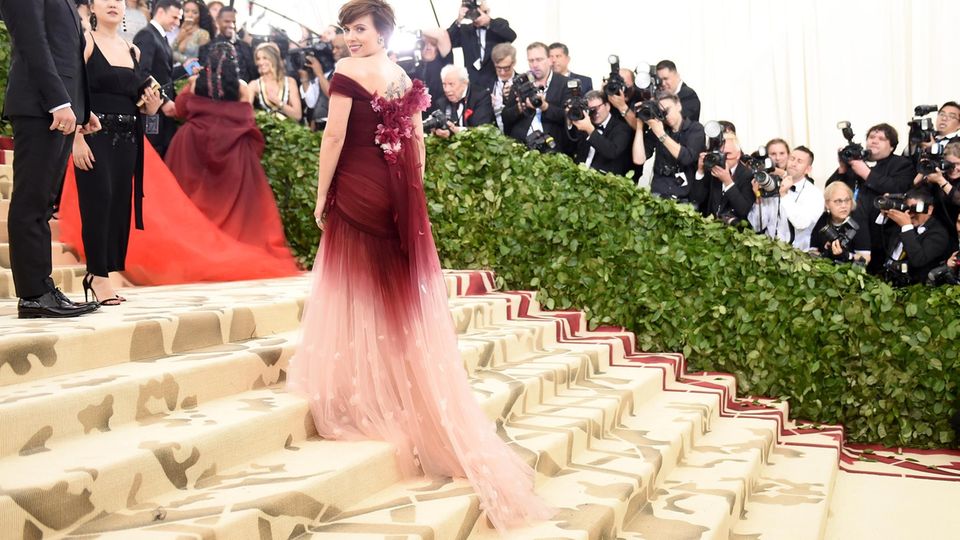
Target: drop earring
point(380, 40)
point(93, 21)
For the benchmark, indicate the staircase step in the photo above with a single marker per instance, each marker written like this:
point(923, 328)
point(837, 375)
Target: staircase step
point(155, 322)
point(795, 488)
point(68, 278)
point(63, 255)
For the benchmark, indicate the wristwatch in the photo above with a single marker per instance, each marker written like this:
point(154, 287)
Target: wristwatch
point(662, 137)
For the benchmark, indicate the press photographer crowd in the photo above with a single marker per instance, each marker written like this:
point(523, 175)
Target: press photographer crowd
point(894, 213)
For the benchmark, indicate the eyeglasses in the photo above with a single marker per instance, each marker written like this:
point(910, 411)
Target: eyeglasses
point(593, 110)
point(848, 200)
point(949, 116)
point(504, 68)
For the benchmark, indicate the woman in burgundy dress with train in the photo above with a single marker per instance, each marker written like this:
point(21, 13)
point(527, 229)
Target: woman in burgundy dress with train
point(379, 357)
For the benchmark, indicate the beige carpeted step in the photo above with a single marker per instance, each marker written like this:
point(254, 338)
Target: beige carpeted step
point(68, 278)
point(62, 255)
point(54, 230)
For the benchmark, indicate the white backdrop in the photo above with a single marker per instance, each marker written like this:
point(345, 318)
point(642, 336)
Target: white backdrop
point(788, 68)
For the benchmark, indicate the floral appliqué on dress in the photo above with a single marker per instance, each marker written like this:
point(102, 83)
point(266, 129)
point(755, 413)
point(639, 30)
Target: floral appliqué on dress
point(396, 118)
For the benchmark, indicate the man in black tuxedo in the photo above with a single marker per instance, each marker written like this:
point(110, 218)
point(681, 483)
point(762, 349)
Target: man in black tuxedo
point(156, 57)
point(227, 27)
point(914, 242)
point(603, 139)
point(728, 188)
point(560, 56)
point(47, 93)
point(672, 83)
point(522, 118)
point(466, 104)
point(477, 41)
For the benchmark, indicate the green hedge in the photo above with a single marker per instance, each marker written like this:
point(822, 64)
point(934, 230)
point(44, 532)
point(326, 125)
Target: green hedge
point(840, 345)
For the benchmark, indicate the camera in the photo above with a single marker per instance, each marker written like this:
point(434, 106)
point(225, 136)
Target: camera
point(649, 110)
point(437, 120)
point(576, 106)
point(320, 50)
point(473, 9)
point(762, 167)
point(932, 160)
point(898, 201)
point(922, 129)
point(648, 81)
point(614, 83)
point(715, 158)
point(845, 232)
point(852, 151)
point(541, 142)
point(525, 87)
point(944, 275)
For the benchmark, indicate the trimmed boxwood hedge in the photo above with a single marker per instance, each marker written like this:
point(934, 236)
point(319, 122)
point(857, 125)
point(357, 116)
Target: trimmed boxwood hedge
point(840, 345)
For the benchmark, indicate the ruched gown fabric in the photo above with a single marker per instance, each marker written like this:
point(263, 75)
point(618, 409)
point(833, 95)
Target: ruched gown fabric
point(378, 357)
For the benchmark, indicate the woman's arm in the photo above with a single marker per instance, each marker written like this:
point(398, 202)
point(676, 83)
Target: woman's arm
point(639, 151)
point(293, 108)
point(330, 147)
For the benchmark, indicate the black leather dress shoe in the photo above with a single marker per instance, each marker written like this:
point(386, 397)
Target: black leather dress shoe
point(63, 298)
point(53, 304)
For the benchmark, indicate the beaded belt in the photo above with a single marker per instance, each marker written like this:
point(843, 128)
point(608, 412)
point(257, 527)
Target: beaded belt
point(126, 128)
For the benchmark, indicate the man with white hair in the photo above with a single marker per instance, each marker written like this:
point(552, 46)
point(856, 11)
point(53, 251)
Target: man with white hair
point(464, 103)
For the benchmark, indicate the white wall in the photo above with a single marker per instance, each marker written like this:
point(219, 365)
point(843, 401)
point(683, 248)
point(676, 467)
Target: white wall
point(789, 68)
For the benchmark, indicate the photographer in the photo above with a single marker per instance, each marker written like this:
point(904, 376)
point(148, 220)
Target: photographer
point(504, 61)
point(947, 130)
point(602, 139)
point(464, 104)
point(315, 79)
point(915, 243)
point(779, 151)
point(436, 54)
point(560, 56)
point(940, 173)
point(728, 183)
point(839, 235)
point(679, 142)
point(890, 173)
point(478, 39)
point(521, 117)
point(624, 101)
point(671, 82)
point(949, 272)
point(789, 213)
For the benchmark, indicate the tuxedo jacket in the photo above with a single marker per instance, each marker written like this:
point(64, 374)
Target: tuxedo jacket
point(465, 36)
point(612, 147)
point(245, 61)
point(156, 58)
point(477, 110)
point(924, 251)
point(690, 102)
point(586, 83)
point(737, 200)
point(517, 119)
point(893, 174)
point(46, 65)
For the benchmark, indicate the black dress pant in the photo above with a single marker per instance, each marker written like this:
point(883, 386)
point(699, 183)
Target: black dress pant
point(38, 170)
point(105, 194)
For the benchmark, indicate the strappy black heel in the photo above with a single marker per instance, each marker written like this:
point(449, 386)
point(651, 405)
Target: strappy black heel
point(88, 292)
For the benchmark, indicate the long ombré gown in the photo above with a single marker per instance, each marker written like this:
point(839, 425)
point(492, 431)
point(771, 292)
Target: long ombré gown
point(378, 357)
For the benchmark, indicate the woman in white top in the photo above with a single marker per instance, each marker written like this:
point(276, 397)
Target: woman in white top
point(274, 91)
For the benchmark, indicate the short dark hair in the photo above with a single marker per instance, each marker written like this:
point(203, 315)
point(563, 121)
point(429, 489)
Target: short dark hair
point(774, 141)
point(667, 96)
point(920, 194)
point(728, 126)
point(226, 9)
point(953, 104)
point(806, 151)
point(667, 64)
point(596, 94)
point(888, 131)
point(384, 20)
point(558, 45)
point(538, 44)
point(166, 4)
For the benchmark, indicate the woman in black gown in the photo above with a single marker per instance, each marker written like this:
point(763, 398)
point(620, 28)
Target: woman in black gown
point(109, 163)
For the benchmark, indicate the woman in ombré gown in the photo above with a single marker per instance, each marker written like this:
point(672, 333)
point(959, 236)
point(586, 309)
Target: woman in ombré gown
point(378, 357)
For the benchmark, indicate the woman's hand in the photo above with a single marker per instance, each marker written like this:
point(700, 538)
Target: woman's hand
point(82, 155)
point(151, 100)
point(318, 212)
point(836, 248)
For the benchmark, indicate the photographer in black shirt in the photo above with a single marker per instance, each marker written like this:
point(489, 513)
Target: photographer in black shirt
point(477, 41)
point(602, 139)
point(840, 234)
point(671, 82)
point(679, 144)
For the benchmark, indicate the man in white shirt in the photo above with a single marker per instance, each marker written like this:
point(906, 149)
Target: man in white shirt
point(792, 211)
